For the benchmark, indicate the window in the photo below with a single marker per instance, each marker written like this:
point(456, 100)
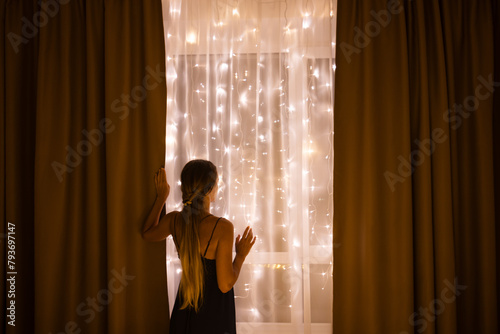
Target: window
point(250, 88)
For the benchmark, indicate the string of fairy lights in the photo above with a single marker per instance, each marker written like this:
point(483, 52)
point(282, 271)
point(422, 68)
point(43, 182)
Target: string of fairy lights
point(260, 106)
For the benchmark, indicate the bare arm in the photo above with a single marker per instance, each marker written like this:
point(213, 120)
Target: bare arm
point(154, 229)
point(228, 270)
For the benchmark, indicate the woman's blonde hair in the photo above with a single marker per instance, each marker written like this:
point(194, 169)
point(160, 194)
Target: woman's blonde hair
point(198, 178)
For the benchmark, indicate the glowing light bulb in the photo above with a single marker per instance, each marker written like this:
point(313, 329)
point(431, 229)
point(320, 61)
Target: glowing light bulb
point(243, 99)
point(306, 23)
point(191, 38)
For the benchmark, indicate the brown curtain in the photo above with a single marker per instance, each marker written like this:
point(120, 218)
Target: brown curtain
point(83, 131)
point(416, 128)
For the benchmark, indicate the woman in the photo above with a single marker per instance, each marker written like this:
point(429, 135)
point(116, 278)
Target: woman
point(205, 299)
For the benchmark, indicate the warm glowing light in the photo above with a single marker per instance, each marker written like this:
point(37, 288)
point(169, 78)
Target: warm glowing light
point(191, 38)
point(172, 76)
point(306, 23)
point(243, 99)
point(258, 105)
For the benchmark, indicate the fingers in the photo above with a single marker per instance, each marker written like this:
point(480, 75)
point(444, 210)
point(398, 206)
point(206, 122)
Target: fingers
point(161, 173)
point(250, 233)
point(161, 176)
point(253, 241)
point(245, 242)
point(246, 232)
point(247, 236)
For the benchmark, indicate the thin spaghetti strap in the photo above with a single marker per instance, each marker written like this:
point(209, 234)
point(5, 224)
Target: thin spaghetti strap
point(174, 236)
point(206, 249)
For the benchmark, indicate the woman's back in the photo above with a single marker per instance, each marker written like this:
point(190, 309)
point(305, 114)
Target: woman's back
point(207, 233)
point(205, 299)
point(217, 312)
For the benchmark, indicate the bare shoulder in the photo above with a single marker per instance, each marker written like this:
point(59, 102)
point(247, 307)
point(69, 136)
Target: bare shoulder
point(225, 225)
point(170, 217)
point(172, 214)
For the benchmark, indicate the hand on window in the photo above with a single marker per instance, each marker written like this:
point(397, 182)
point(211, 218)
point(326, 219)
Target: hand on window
point(245, 243)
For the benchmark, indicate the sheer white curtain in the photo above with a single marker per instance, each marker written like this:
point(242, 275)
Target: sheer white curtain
point(250, 87)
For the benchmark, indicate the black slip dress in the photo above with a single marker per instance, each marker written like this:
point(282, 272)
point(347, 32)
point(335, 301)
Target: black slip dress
point(217, 312)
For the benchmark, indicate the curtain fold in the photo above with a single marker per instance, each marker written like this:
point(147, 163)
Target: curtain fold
point(495, 13)
point(84, 130)
point(414, 172)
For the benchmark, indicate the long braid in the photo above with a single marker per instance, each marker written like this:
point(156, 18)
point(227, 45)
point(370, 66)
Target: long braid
point(197, 180)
